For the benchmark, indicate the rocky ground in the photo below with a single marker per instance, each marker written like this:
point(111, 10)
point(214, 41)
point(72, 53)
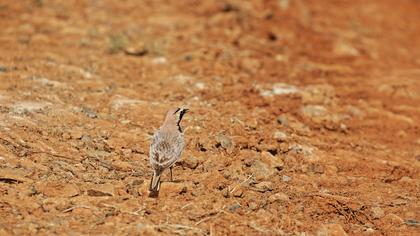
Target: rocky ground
point(305, 116)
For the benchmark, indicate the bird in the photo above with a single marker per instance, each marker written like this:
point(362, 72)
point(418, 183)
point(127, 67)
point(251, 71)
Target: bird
point(166, 147)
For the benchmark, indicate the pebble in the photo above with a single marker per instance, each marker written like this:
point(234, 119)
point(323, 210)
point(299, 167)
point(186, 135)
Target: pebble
point(282, 120)
point(286, 178)
point(224, 141)
point(345, 49)
point(392, 219)
point(57, 189)
point(280, 136)
point(314, 110)
point(250, 65)
point(264, 186)
point(89, 112)
point(22, 108)
point(137, 50)
point(101, 190)
point(190, 162)
point(331, 229)
point(234, 207)
point(377, 212)
point(159, 60)
point(239, 193)
point(412, 222)
point(253, 206)
point(278, 197)
point(261, 170)
point(3, 68)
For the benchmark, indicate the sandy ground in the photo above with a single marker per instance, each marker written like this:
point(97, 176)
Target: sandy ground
point(305, 116)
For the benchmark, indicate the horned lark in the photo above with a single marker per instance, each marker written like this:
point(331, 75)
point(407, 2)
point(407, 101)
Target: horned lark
point(166, 147)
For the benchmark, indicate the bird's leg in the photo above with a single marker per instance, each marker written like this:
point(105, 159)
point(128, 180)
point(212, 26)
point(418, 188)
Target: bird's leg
point(170, 169)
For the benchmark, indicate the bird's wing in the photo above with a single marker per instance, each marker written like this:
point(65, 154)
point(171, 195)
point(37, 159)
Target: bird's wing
point(166, 149)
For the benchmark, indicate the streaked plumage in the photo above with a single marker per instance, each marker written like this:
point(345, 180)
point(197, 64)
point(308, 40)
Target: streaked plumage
point(166, 147)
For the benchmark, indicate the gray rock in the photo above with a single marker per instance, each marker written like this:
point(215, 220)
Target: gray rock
point(3, 68)
point(89, 112)
point(412, 222)
point(234, 207)
point(286, 178)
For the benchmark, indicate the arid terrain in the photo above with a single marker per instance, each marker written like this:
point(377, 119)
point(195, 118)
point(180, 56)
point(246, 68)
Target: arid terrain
point(305, 116)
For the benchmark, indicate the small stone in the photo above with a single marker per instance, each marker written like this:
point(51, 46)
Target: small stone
point(3, 68)
point(89, 112)
point(286, 178)
point(261, 170)
point(57, 189)
point(355, 112)
point(405, 179)
point(392, 219)
point(412, 222)
point(200, 86)
point(377, 212)
point(101, 190)
point(278, 197)
point(331, 229)
point(253, 206)
point(75, 134)
point(174, 188)
point(264, 186)
point(250, 65)
point(401, 134)
point(123, 165)
point(253, 123)
point(23, 108)
point(280, 136)
point(226, 193)
point(345, 49)
point(86, 138)
point(224, 141)
point(281, 88)
point(282, 120)
point(127, 152)
point(234, 207)
point(317, 168)
point(281, 58)
point(369, 231)
point(190, 162)
point(159, 60)
point(314, 110)
point(137, 50)
point(284, 4)
point(239, 193)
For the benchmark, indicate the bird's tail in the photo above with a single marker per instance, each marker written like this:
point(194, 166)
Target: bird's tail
point(155, 184)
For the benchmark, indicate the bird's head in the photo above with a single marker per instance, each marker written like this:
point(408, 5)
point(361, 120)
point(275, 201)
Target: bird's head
point(174, 116)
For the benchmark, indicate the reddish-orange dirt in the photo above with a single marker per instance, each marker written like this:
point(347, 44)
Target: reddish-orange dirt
point(305, 116)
